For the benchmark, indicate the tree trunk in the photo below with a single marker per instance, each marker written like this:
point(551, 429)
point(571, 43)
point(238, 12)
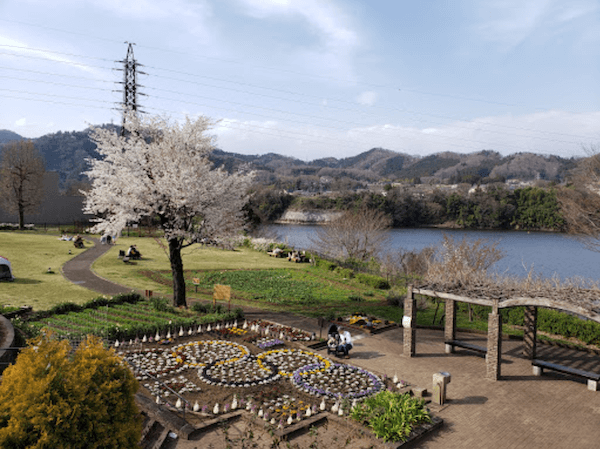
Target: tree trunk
point(177, 271)
point(21, 217)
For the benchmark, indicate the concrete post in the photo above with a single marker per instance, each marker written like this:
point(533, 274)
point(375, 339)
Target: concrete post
point(450, 324)
point(410, 316)
point(494, 344)
point(529, 332)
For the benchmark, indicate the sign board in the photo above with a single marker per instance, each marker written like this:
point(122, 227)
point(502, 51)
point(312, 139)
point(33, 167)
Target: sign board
point(196, 281)
point(222, 293)
point(406, 321)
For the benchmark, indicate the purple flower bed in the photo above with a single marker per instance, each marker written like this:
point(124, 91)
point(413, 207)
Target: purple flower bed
point(366, 383)
point(266, 344)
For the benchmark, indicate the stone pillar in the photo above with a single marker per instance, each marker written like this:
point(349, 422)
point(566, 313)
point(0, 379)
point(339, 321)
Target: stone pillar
point(494, 344)
point(450, 324)
point(410, 319)
point(529, 332)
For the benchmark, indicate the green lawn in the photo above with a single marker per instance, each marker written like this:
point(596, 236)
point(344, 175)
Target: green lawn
point(31, 255)
point(256, 279)
point(195, 258)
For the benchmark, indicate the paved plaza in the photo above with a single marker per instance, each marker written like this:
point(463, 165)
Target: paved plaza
point(518, 411)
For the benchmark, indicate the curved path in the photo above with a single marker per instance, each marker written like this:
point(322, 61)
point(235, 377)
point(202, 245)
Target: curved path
point(78, 271)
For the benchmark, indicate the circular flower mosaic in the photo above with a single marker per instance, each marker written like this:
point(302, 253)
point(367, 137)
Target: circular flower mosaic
point(337, 381)
point(153, 362)
point(180, 384)
point(204, 352)
point(289, 360)
point(242, 373)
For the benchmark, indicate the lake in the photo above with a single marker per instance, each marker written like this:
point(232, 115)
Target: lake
point(547, 253)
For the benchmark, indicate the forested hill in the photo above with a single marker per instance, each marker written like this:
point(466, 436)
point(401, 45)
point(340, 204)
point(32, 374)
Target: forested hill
point(379, 164)
point(7, 136)
point(66, 152)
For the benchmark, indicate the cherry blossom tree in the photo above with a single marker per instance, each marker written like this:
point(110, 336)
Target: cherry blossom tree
point(161, 170)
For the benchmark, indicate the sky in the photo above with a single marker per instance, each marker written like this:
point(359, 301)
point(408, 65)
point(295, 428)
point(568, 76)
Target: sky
point(314, 79)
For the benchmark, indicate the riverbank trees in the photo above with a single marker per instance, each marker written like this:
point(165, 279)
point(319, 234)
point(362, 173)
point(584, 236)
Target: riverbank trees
point(581, 201)
point(493, 207)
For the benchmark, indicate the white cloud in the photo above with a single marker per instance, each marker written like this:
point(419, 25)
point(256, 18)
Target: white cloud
point(22, 48)
point(337, 40)
point(511, 22)
point(367, 98)
point(551, 132)
point(21, 122)
point(326, 17)
point(154, 9)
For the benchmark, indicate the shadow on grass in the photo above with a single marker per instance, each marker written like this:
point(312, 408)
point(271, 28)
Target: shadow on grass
point(25, 281)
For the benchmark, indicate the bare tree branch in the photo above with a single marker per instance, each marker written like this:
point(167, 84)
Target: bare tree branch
point(21, 178)
point(356, 235)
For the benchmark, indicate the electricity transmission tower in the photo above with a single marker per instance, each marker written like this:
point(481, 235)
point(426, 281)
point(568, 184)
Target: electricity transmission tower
point(130, 85)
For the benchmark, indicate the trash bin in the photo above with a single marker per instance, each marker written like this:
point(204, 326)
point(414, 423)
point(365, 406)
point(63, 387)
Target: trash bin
point(440, 381)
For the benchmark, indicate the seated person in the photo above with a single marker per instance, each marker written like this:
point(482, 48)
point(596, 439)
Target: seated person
point(333, 338)
point(345, 343)
point(78, 241)
point(133, 253)
point(333, 343)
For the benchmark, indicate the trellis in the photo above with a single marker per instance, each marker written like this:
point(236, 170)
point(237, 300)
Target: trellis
point(580, 303)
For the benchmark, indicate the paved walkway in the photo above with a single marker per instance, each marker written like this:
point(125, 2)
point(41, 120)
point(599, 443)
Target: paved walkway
point(78, 271)
point(518, 411)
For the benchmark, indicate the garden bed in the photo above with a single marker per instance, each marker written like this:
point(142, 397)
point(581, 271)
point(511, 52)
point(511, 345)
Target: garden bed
point(219, 371)
point(366, 323)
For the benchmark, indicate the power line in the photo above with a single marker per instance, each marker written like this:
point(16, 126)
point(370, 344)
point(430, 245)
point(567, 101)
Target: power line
point(446, 138)
point(445, 117)
point(277, 69)
point(56, 84)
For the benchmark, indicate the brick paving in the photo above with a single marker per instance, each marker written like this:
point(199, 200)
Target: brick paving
point(518, 411)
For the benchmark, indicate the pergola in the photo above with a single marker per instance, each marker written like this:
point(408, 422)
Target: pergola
point(584, 307)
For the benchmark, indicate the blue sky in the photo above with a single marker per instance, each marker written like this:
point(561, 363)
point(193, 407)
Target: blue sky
point(315, 78)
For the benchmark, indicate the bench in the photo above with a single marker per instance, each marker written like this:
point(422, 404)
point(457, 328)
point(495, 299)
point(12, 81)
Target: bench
point(450, 344)
point(592, 378)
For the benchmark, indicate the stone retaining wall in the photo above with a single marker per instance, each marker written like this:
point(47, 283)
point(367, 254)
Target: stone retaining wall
point(308, 217)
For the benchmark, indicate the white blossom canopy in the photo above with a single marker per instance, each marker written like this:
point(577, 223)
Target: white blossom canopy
point(161, 169)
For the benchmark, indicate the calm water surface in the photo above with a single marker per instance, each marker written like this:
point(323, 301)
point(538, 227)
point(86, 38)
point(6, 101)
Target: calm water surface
point(546, 253)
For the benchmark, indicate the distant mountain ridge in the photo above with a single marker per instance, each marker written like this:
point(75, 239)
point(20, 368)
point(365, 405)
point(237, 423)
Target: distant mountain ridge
point(7, 136)
point(379, 164)
point(66, 153)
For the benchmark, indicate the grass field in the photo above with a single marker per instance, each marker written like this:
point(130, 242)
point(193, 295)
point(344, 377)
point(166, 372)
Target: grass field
point(195, 258)
point(31, 255)
point(256, 279)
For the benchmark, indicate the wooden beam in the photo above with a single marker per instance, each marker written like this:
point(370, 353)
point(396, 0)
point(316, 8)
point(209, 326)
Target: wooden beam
point(434, 294)
point(515, 302)
point(550, 304)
